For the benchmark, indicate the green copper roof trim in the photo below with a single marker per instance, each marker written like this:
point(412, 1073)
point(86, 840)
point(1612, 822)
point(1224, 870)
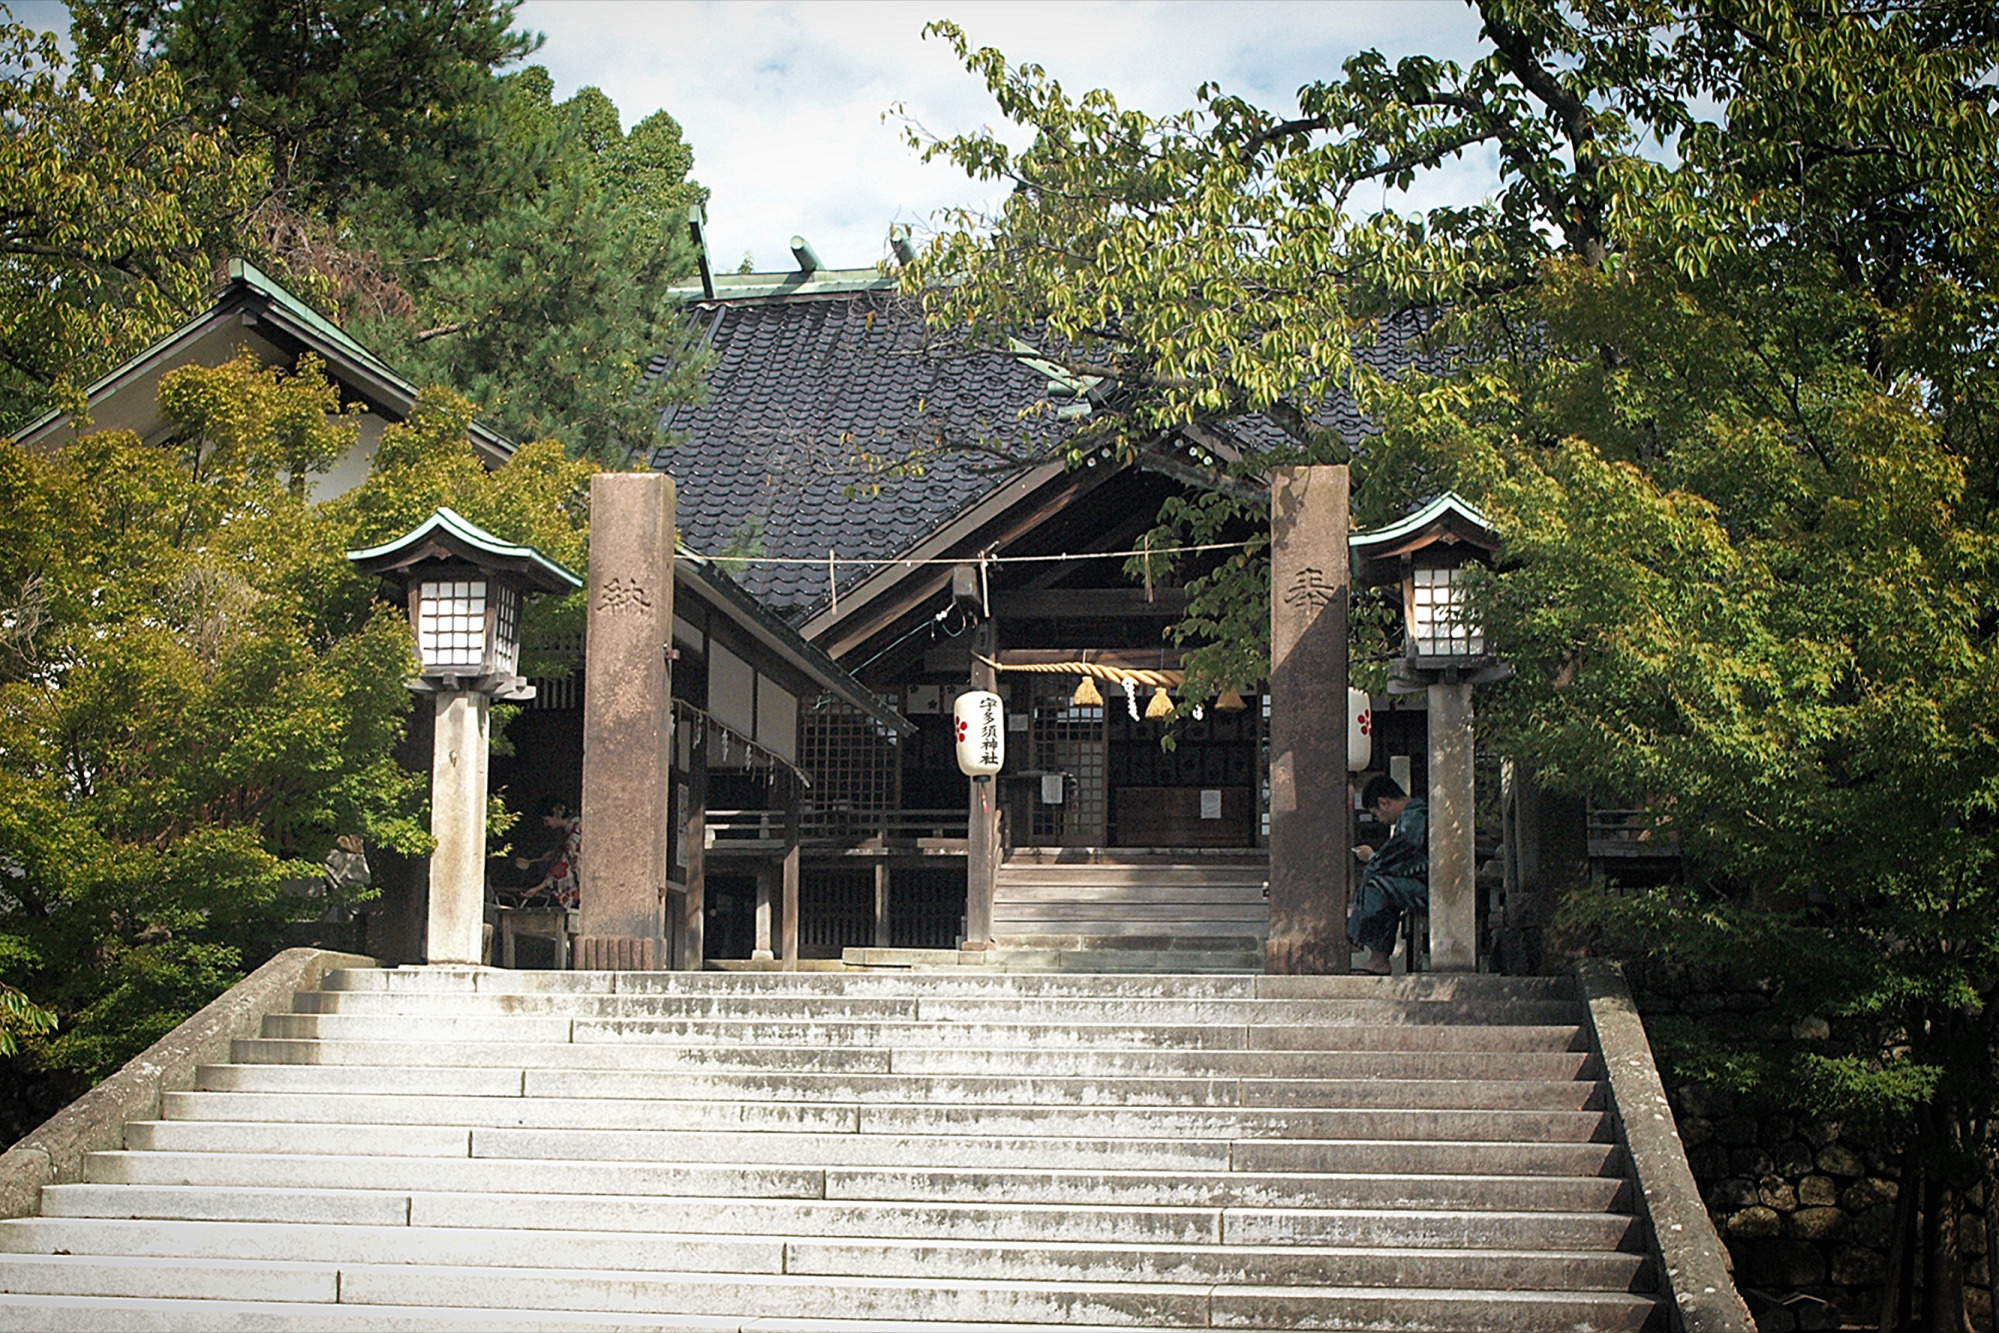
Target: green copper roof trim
point(470, 533)
point(759, 286)
point(1447, 503)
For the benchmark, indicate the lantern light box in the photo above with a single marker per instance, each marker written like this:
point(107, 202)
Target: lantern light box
point(465, 592)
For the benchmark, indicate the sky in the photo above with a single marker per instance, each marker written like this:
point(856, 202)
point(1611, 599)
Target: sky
point(789, 106)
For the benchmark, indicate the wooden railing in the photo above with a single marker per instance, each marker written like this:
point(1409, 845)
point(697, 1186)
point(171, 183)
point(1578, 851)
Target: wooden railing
point(836, 827)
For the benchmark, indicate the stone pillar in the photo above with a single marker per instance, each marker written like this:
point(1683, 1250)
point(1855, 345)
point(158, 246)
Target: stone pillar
point(1310, 818)
point(1453, 893)
point(627, 721)
point(694, 932)
point(982, 848)
point(457, 915)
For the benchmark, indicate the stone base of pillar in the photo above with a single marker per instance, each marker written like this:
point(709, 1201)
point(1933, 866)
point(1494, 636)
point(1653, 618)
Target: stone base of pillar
point(1304, 956)
point(617, 953)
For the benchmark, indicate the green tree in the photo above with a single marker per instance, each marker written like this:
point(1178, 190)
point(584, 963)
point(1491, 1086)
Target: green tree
point(451, 214)
point(1720, 362)
point(546, 307)
point(337, 96)
point(116, 205)
point(198, 694)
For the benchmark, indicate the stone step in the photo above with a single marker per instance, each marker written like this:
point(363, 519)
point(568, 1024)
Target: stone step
point(1015, 875)
point(107, 1314)
point(1139, 1124)
point(882, 1299)
point(904, 1184)
point(615, 1014)
point(412, 1106)
point(967, 981)
point(768, 1136)
point(1136, 1085)
point(1370, 1266)
point(950, 1220)
point(1128, 893)
point(672, 1143)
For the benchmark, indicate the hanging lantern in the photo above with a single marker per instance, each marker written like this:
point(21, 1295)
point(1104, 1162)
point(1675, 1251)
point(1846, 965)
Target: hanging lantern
point(1360, 730)
point(1086, 695)
point(980, 717)
point(1161, 706)
point(1230, 702)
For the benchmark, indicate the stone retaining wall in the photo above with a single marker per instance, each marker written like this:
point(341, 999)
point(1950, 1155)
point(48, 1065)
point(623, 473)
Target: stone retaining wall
point(1806, 1210)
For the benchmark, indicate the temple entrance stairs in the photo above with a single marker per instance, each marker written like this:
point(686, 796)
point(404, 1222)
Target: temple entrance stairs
point(1086, 909)
point(428, 1149)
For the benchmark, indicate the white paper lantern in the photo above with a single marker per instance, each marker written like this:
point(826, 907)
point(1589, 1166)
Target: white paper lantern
point(981, 733)
point(1360, 730)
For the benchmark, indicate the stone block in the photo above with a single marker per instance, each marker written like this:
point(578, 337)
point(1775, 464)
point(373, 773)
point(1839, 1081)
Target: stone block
point(1875, 1226)
point(1776, 1192)
point(1753, 1162)
point(1858, 1266)
point(1708, 1161)
point(1864, 1194)
point(1755, 1223)
point(1836, 1159)
point(1971, 1238)
point(1725, 1196)
point(1817, 1224)
point(1775, 1130)
point(1819, 1133)
point(1818, 1192)
point(1978, 1304)
point(1792, 1159)
point(1812, 1028)
point(1696, 1130)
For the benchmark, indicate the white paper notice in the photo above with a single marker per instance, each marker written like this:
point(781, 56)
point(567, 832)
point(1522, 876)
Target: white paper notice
point(1051, 789)
point(1211, 803)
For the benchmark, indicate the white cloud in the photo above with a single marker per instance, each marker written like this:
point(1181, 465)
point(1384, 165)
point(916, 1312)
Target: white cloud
point(784, 102)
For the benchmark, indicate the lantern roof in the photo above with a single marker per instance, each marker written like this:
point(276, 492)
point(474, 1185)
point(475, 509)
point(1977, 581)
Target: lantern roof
point(446, 535)
point(1448, 520)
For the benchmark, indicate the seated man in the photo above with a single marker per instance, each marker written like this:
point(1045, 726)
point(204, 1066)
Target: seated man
point(1397, 875)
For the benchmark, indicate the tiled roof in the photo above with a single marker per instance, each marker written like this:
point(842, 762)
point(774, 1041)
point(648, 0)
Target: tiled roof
point(809, 400)
point(811, 396)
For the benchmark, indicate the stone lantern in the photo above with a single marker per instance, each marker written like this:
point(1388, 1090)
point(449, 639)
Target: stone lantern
point(1427, 555)
point(465, 588)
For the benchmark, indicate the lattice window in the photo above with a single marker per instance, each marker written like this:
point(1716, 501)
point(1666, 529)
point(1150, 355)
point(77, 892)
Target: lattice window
point(853, 765)
point(451, 623)
point(836, 910)
point(1070, 740)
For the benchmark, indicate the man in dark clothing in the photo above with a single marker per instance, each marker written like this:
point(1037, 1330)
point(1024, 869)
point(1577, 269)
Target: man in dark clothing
point(1397, 877)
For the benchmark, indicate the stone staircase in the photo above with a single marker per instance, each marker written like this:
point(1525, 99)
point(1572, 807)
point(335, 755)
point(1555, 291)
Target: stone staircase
point(1126, 910)
point(427, 1149)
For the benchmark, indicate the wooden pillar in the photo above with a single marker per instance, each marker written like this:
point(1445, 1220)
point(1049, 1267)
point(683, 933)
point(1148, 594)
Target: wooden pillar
point(627, 722)
point(695, 855)
point(1310, 818)
point(882, 934)
point(791, 802)
point(982, 847)
point(762, 951)
point(1453, 864)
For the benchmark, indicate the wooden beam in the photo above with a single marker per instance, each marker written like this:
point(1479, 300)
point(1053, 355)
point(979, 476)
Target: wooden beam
point(694, 856)
point(1088, 603)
